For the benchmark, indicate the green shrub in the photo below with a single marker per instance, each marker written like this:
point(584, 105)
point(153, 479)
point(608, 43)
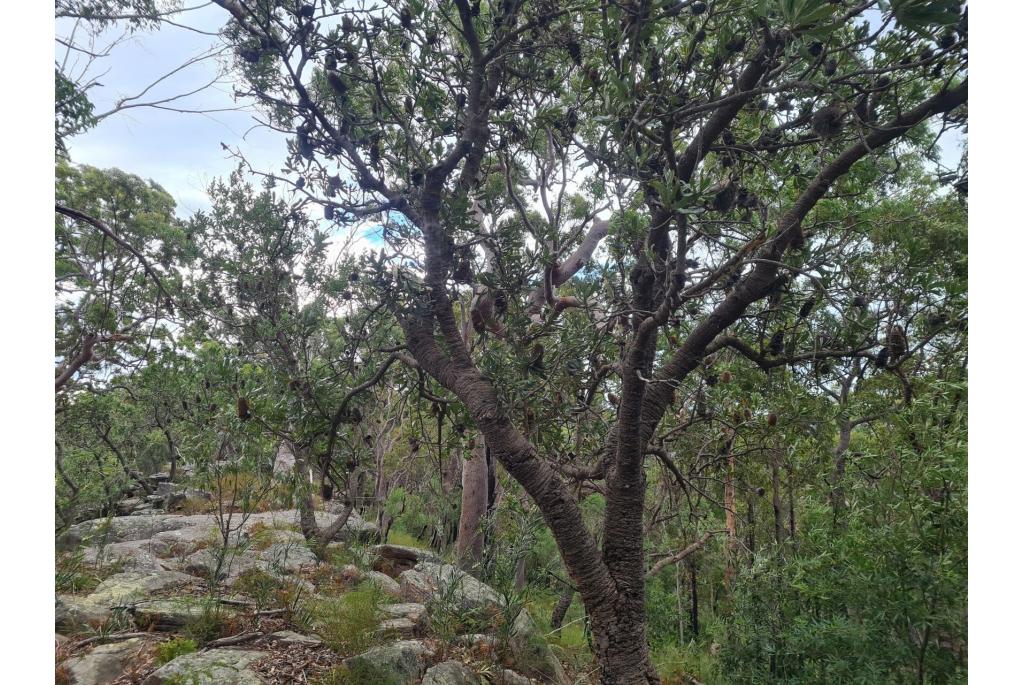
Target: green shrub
point(172, 649)
point(360, 673)
point(208, 625)
point(72, 574)
point(260, 585)
point(447, 618)
point(347, 624)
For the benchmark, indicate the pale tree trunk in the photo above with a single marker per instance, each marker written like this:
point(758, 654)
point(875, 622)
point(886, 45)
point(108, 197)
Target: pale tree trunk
point(469, 546)
point(730, 520)
point(838, 493)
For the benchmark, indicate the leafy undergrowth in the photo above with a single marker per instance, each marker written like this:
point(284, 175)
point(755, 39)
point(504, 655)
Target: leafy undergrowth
point(172, 649)
point(348, 623)
point(73, 575)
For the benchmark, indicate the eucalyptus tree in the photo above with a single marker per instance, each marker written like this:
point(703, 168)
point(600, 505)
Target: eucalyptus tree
point(116, 238)
point(725, 135)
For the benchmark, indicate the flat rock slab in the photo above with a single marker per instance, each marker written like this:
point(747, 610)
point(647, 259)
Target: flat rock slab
point(509, 677)
point(404, 661)
point(417, 613)
point(392, 560)
point(119, 590)
point(105, 663)
point(398, 627)
point(126, 588)
point(450, 673)
point(290, 637)
point(215, 667)
point(134, 555)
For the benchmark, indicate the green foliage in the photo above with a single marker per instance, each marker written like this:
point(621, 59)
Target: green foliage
point(447, 618)
point(172, 649)
point(359, 673)
point(73, 575)
point(348, 624)
point(209, 624)
point(73, 111)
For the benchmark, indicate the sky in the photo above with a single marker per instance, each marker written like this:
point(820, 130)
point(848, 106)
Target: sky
point(181, 152)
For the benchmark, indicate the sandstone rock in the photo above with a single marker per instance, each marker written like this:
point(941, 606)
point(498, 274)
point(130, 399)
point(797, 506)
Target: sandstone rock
point(104, 663)
point(289, 637)
point(385, 582)
point(450, 673)
point(395, 559)
point(215, 667)
point(119, 590)
point(288, 557)
point(404, 661)
point(134, 555)
point(125, 528)
point(429, 581)
point(417, 613)
point(400, 627)
point(509, 677)
point(532, 654)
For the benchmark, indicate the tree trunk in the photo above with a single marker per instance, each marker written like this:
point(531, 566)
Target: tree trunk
point(304, 494)
point(751, 518)
point(730, 520)
point(681, 615)
point(620, 645)
point(520, 573)
point(792, 505)
point(694, 622)
point(469, 546)
point(776, 498)
point(838, 494)
point(562, 607)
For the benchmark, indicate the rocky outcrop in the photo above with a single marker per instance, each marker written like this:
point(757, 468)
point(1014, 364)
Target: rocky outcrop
point(404, 661)
point(215, 667)
point(201, 526)
point(105, 663)
point(406, 620)
point(392, 560)
point(450, 673)
point(531, 652)
point(432, 582)
point(121, 590)
point(385, 582)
